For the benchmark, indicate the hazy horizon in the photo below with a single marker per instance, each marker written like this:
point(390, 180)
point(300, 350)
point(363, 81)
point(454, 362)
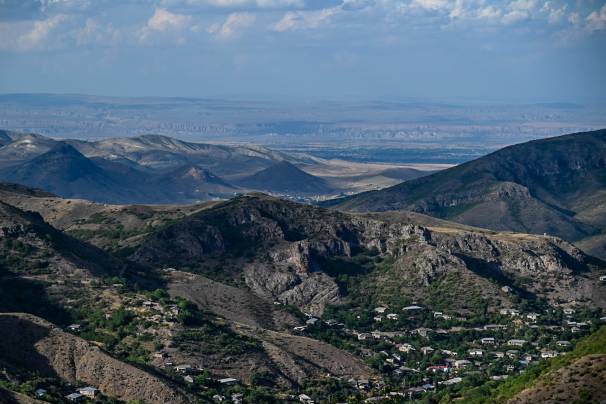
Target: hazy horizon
point(522, 51)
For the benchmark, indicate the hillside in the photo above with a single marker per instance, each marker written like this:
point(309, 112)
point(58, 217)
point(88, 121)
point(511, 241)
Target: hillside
point(284, 177)
point(551, 186)
point(66, 172)
point(280, 296)
point(291, 252)
point(31, 344)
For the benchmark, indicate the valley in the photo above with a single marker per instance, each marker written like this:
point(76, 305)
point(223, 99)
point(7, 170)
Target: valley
point(260, 299)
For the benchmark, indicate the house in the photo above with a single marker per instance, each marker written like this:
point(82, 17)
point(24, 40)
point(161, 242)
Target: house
point(548, 354)
point(74, 397)
point(423, 332)
point(449, 353)
point(188, 379)
point(304, 398)
point(380, 310)
point(489, 327)
point(512, 353)
point(487, 341)
point(438, 368)
point(412, 308)
point(427, 350)
point(183, 368)
point(569, 312)
point(363, 384)
point(332, 322)
point(563, 343)
point(228, 380)
point(516, 342)
point(362, 336)
point(510, 368)
point(406, 348)
point(74, 327)
point(437, 314)
point(452, 381)
point(312, 321)
point(476, 352)
point(300, 328)
point(532, 316)
point(575, 330)
point(499, 354)
point(462, 364)
point(376, 334)
point(160, 355)
point(603, 278)
point(88, 391)
point(392, 316)
point(40, 393)
point(527, 358)
point(377, 319)
point(506, 289)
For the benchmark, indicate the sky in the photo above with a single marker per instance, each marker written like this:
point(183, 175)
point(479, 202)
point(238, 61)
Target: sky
point(510, 50)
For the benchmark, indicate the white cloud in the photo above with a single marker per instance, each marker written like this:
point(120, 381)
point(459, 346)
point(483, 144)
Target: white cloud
point(574, 19)
point(431, 4)
point(554, 14)
point(233, 25)
point(296, 20)
point(93, 32)
point(597, 19)
point(489, 13)
point(164, 21)
point(238, 3)
point(40, 32)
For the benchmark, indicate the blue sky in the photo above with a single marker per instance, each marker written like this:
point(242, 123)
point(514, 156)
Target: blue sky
point(511, 50)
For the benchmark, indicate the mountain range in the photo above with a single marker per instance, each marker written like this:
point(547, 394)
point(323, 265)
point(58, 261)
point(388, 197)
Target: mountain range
point(555, 186)
point(263, 299)
point(149, 169)
point(160, 169)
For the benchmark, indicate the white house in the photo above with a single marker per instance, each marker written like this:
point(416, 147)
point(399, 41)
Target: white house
point(392, 316)
point(88, 391)
point(516, 342)
point(380, 310)
point(462, 363)
point(427, 350)
point(406, 348)
point(476, 352)
point(487, 341)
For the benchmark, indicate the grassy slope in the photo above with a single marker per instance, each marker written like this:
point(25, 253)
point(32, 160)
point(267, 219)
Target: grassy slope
point(543, 372)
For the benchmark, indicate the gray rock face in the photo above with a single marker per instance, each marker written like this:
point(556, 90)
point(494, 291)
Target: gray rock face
point(288, 246)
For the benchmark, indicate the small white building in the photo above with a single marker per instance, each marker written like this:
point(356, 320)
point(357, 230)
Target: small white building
point(406, 348)
point(516, 342)
point(392, 316)
point(476, 352)
point(427, 350)
point(487, 341)
point(88, 391)
point(380, 310)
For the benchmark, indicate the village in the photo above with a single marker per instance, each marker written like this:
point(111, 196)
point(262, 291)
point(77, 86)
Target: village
point(416, 351)
point(419, 351)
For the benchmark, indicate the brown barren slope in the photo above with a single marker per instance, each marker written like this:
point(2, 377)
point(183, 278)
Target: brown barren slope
point(34, 344)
